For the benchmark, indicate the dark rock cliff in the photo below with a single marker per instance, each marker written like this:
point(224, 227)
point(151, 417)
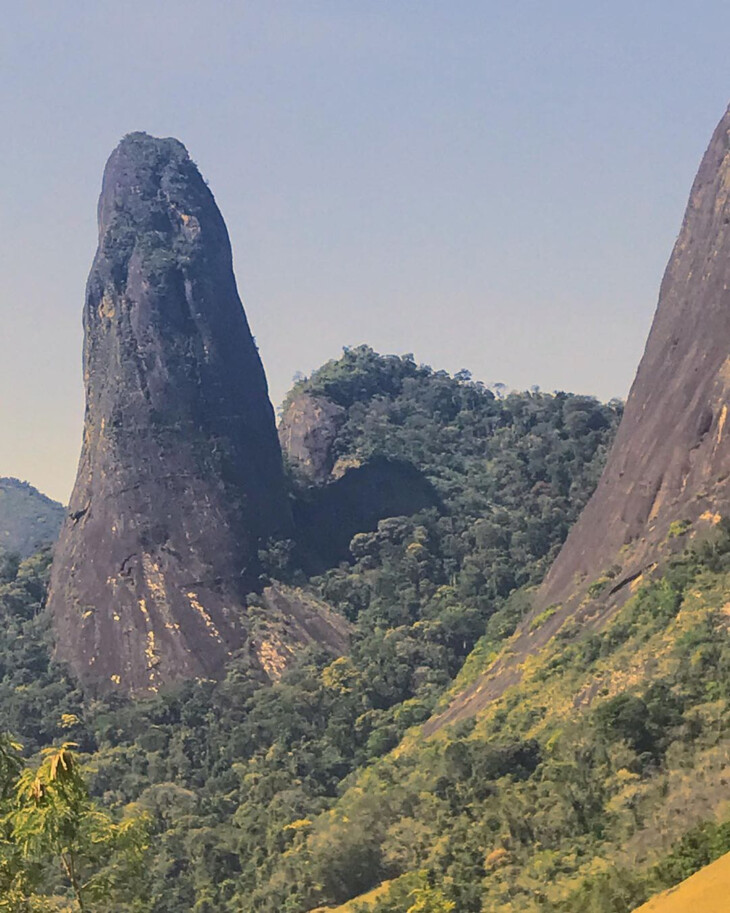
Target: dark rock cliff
point(180, 476)
point(667, 479)
point(341, 496)
point(670, 462)
point(328, 517)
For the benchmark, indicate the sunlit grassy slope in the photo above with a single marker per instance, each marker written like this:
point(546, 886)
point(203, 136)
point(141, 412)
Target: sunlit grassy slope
point(368, 898)
point(427, 807)
point(706, 892)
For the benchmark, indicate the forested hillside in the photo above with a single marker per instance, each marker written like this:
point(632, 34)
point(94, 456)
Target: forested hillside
point(512, 471)
point(232, 781)
point(597, 780)
point(28, 519)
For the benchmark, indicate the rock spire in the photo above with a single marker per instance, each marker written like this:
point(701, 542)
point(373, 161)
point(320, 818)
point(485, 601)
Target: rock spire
point(180, 478)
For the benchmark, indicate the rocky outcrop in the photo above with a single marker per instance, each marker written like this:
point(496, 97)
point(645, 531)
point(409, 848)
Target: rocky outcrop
point(28, 519)
point(669, 468)
point(360, 497)
point(180, 477)
point(341, 495)
point(292, 618)
point(307, 431)
point(667, 479)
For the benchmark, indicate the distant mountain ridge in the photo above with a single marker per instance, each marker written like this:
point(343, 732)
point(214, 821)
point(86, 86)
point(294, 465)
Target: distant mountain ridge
point(28, 518)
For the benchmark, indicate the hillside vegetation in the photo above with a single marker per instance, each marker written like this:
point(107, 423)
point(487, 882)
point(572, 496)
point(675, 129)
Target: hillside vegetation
point(602, 777)
point(28, 519)
point(597, 780)
point(512, 472)
point(235, 777)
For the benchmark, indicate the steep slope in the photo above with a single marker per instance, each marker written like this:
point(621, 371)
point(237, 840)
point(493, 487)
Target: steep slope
point(708, 890)
point(180, 477)
point(28, 519)
point(667, 478)
point(594, 781)
point(671, 459)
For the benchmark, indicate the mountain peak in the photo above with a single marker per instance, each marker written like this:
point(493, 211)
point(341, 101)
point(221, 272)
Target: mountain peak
point(181, 477)
point(670, 464)
point(667, 478)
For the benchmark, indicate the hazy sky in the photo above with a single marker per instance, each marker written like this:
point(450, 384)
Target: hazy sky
point(494, 186)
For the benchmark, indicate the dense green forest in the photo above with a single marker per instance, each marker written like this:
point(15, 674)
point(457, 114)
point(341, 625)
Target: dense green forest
point(598, 780)
point(546, 803)
point(283, 797)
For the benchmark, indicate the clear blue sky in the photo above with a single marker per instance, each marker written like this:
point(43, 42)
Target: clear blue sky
point(494, 186)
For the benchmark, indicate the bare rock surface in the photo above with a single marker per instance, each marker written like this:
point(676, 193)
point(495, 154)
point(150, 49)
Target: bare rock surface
point(667, 478)
point(307, 431)
point(180, 477)
point(670, 462)
point(293, 618)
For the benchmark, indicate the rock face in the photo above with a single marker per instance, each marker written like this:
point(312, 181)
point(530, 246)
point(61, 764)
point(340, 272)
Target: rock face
point(667, 478)
point(28, 519)
point(345, 496)
point(355, 502)
point(294, 618)
point(307, 431)
point(180, 476)
point(670, 463)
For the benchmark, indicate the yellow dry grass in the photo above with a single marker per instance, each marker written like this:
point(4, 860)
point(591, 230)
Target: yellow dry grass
point(362, 899)
point(708, 891)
